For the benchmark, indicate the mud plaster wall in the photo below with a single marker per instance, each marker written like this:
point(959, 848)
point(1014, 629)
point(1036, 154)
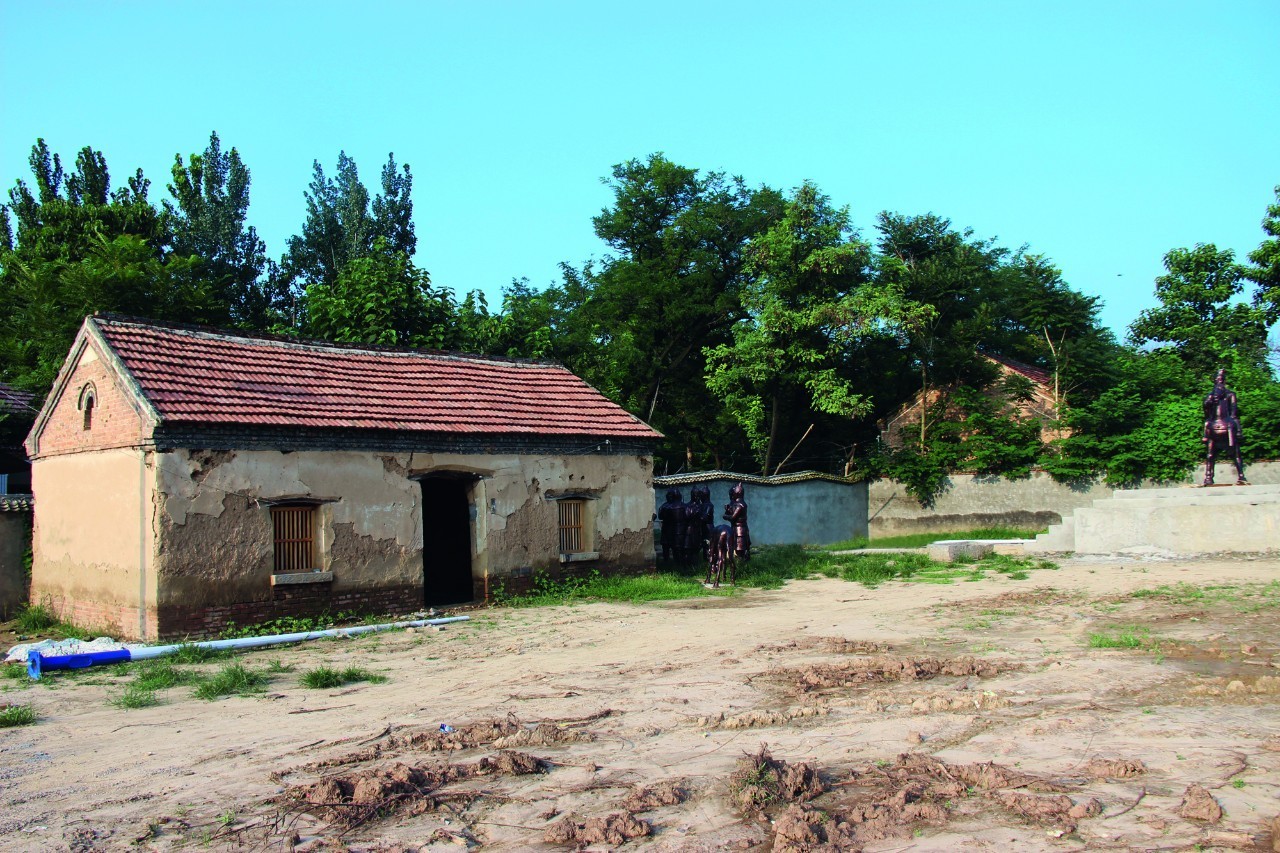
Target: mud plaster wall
point(93, 540)
point(215, 521)
point(215, 528)
point(115, 422)
point(517, 522)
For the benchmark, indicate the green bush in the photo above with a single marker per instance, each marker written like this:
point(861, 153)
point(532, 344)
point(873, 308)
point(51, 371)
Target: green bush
point(16, 715)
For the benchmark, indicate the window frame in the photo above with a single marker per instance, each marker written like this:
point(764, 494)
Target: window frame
point(573, 527)
point(293, 546)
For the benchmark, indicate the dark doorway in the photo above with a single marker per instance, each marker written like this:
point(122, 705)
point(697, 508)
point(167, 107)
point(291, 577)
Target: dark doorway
point(446, 540)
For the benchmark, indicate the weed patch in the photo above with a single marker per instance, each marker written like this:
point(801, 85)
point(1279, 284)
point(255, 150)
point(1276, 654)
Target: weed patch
point(919, 540)
point(191, 653)
point(232, 680)
point(295, 624)
point(1131, 637)
point(323, 677)
point(16, 715)
point(135, 696)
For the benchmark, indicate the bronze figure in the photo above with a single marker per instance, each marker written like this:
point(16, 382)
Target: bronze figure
point(672, 516)
point(735, 512)
point(1221, 428)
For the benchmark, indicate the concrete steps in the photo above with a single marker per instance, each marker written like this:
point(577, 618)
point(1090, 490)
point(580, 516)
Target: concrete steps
point(1188, 520)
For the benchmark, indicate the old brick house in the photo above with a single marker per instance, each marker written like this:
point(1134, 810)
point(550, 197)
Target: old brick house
point(185, 477)
point(1040, 402)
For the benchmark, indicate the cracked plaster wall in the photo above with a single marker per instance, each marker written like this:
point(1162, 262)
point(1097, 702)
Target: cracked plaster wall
point(215, 529)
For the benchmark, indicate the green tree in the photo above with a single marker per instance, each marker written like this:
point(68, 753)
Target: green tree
point(208, 218)
point(783, 363)
point(930, 263)
point(669, 289)
point(339, 226)
point(1199, 315)
point(380, 298)
point(81, 247)
point(1264, 268)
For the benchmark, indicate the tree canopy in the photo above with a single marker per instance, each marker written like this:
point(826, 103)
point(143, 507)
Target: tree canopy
point(757, 328)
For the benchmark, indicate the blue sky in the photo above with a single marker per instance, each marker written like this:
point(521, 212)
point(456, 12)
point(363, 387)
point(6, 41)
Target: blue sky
point(1102, 134)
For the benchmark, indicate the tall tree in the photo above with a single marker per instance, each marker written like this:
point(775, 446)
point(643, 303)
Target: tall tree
point(933, 264)
point(1199, 315)
point(80, 247)
point(339, 226)
point(380, 298)
point(1264, 265)
point(669, 289)
point(208, 218)
point(784, 361)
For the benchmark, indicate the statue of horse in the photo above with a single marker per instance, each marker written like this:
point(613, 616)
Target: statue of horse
point(720, 554)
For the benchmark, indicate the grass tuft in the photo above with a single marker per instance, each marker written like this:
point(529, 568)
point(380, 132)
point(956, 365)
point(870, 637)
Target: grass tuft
point(232, 680)
point(135, 696)
point(191, 653)
point(159, 674)
point(919, 540)
point(1132, 637)
point(323, 677)
point(16, 715)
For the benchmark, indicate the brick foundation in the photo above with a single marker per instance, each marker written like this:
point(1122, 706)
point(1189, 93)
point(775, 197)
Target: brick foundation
point(304, 600)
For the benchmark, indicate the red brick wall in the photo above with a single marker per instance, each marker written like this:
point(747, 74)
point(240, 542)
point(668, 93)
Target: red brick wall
point(115, 422)
point(287, 600)
point(99, 618)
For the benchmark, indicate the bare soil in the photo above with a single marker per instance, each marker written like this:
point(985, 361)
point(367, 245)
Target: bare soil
point(820, 717)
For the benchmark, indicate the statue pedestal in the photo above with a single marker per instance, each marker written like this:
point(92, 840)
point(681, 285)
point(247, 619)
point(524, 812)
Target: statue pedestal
point(1181, 521)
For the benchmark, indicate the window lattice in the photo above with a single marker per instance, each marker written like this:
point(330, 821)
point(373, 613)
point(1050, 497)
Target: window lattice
point(571, 526)
point(294, 528)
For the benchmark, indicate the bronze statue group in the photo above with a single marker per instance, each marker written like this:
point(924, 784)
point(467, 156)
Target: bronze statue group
point(689, 532)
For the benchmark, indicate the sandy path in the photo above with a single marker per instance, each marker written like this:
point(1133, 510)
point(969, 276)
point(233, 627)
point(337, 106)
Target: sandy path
point(187, 772)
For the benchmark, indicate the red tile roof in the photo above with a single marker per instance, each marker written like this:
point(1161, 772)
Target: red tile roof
point(210, 377)
point(1038, 375)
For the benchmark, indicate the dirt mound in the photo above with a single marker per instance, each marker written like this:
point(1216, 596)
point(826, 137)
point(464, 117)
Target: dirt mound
point(615, 828)
point(802, 829)
point(1199, 804)
point(645, 798)
point(891, 800)
point(935, 703)
point(880, 669)
point(466, 736)
point(1057, 809)
point(354, 798)
point(1115, 768)
point(760, 781)
point(543, 734)
point(832, 645)
point(754, 719)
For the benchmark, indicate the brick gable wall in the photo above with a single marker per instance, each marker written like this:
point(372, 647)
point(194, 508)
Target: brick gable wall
point(115, 422)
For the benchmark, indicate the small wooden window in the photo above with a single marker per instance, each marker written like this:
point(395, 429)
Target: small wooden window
point(571, 538)
point(294, 526)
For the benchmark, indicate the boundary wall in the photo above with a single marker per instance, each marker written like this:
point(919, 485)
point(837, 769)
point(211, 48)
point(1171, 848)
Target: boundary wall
point(972, 501)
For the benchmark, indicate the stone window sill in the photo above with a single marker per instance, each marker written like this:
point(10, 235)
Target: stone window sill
point(301, 577)
point(582, 557)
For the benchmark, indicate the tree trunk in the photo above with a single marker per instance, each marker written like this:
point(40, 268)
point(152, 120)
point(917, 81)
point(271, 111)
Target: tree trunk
point(773, 436)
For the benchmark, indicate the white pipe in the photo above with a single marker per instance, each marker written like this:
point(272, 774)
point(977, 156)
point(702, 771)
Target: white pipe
point(276, 639)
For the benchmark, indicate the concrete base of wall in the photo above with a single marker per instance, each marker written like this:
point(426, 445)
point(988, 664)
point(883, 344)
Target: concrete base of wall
point(1184, 521)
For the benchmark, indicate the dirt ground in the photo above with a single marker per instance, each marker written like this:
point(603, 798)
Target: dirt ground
point(822, 716)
